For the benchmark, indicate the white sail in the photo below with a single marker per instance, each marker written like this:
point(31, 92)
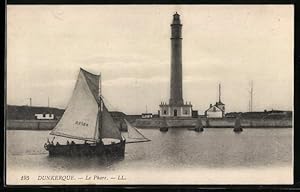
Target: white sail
point(79, 120)
point(134, 136)
point(108, 127)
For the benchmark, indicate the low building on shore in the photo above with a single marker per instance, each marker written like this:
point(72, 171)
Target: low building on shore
point(215, 111)
point(147, 115)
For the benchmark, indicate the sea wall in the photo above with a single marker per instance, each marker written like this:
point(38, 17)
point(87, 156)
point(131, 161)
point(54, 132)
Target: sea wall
point(31, 124)
point(214, 123)
point(267, 123)
point(158, 122)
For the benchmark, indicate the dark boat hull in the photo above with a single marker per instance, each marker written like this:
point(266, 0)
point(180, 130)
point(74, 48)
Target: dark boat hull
point(199, 129)
point(163, 129)
point(114, 151)
point(238, 129)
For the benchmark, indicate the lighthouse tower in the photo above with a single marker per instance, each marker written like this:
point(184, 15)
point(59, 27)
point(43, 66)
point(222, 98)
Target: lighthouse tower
point(176, 106)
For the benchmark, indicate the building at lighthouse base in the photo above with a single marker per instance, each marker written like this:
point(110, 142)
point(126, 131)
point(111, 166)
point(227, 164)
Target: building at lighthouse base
point(168, 110)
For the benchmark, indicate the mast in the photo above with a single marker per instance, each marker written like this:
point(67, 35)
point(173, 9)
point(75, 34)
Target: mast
point(30, 101)
point(219, 92)
point(251, 97)
point(100, 107)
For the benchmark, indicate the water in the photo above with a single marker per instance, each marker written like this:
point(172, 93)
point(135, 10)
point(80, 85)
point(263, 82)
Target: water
point(179, 156)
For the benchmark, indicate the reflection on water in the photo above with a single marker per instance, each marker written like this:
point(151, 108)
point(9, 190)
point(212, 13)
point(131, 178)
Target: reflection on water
point(213, 148)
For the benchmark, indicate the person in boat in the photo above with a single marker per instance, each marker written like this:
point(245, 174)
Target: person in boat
point(73, 143)
point(57, 143)
point(68, 143)
point(52, 142)
point(100, 142)
point(85, 142)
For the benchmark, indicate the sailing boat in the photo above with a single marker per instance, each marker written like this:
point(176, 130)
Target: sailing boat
point(164, 126)
point(86, 118)
point(133, 135)
point(237, 125)
point(199, 126)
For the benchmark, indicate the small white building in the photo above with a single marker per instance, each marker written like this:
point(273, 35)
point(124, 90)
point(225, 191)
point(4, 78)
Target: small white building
point(146, 115)
point(215, 111)
point(44, 116)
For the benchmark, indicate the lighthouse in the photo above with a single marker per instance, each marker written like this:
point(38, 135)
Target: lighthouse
point(176, 62)
point(176, 106)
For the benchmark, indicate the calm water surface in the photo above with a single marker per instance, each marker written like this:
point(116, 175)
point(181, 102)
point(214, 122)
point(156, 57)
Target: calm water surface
point(177, 149)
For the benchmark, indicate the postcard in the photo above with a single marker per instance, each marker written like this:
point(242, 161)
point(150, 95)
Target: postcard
point(149, 94)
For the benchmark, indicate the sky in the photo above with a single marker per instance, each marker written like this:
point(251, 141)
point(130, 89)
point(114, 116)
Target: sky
point(130, 46)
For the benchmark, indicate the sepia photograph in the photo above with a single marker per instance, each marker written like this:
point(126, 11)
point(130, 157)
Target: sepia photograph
point(149, 95)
